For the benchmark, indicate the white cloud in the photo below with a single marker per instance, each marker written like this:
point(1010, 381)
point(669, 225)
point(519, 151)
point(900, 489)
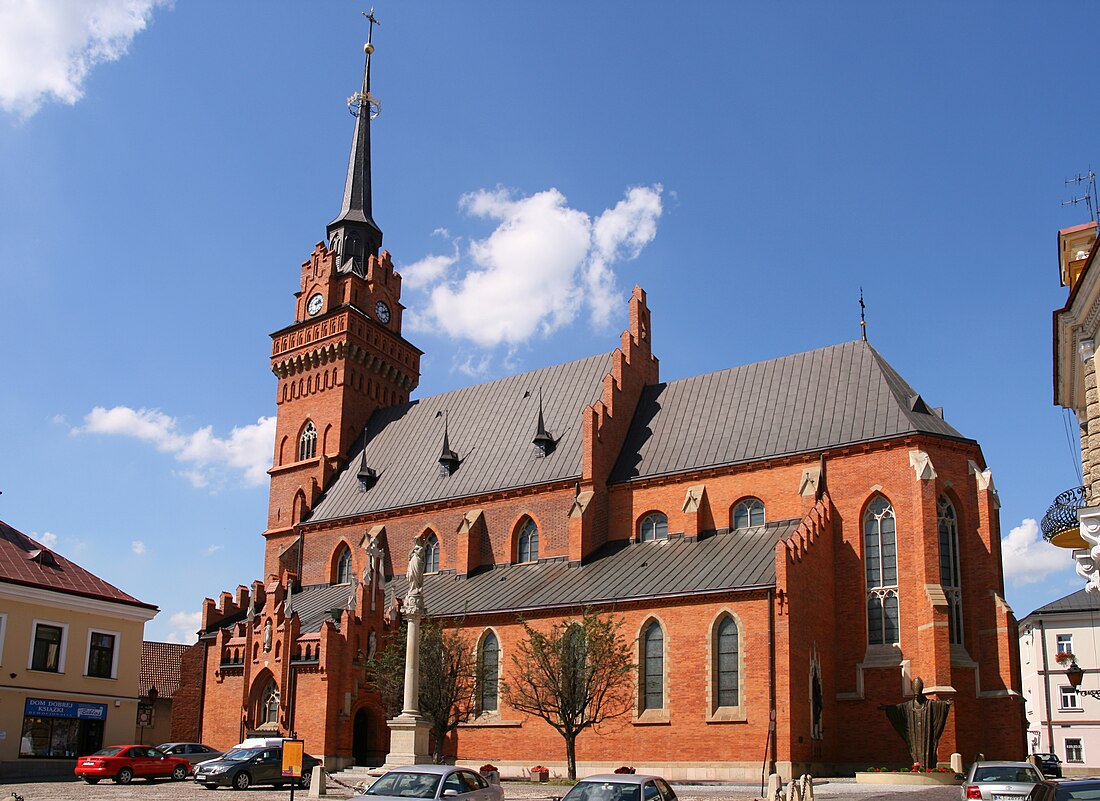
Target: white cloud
point(184, 625)
point(429, 270)
point(540, 266)
point(474, 367)
point(138, 547)
point(212, 549)
point(247, 449)
point(49, 539)
point(1028, 558)
point(48, 47)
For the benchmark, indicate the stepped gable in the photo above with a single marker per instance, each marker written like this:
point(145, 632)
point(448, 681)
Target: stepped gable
point(619, 571)
point(825, 398)
point(489, 427)
point(27, 562)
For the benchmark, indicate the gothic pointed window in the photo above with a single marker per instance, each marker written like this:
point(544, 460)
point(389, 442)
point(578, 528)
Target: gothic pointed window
point(343, 566)
point(747, 514)
point(529, 542)
point(727, 665)
point(653, 527)
point(880, 555)
point(950, 577)
point(431, 553)
point(489, 657)
point(307, 443)
point(653, 667)
point(269, 704)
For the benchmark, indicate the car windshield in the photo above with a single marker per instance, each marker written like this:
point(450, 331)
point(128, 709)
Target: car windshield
point(1078, 791)
point(241, 754)
point(112, 751)
point(406, 785)
point(602, 791)
point(1005, 774)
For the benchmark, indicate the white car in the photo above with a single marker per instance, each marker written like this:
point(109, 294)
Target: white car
point(999, 781)
point(433, 782)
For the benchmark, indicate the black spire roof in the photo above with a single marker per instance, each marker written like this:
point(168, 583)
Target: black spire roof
point(354, 234)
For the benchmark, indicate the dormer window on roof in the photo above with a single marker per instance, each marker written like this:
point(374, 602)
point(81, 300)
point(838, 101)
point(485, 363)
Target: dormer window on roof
point(448, 459)
point(367, 476)
point(543, 440)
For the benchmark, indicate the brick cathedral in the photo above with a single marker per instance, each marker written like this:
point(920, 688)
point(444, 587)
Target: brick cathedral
point(797, 539)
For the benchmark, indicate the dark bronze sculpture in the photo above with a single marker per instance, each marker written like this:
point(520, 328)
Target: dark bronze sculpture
point(920, 722)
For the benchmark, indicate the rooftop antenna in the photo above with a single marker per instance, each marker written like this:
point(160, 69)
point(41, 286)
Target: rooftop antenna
point(363, 97)
point(862, 315)
point(1089, 198)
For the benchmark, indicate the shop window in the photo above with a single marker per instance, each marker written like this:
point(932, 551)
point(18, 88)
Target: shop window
point(58, 729)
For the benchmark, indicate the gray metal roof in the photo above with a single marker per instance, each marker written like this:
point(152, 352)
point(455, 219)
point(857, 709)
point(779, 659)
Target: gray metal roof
point(618, 572)
point(1079, 601)
point(313, 602)
point(822, 398)
point(491, 427)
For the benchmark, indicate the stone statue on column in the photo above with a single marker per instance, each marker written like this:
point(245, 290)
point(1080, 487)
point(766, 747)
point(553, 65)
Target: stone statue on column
point(414, 574)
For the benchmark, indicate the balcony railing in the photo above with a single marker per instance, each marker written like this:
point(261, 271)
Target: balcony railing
point(1060, 525)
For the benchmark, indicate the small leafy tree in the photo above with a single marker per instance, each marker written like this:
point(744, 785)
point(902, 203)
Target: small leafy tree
point(574, 677)
point(450, 675)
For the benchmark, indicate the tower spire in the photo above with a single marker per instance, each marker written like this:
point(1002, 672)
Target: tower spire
point(354, 234)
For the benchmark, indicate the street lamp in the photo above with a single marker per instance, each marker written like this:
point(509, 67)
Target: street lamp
point(145, 713)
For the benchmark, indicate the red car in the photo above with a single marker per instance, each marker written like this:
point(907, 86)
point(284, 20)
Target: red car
point(124, 763)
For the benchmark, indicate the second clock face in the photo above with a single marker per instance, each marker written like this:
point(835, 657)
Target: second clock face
point(315, 304)
point(382, 311)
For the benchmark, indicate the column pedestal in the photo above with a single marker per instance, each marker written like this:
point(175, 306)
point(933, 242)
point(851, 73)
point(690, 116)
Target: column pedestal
point(409, 730)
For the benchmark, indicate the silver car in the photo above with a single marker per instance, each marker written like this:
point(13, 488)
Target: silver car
point(621, 787)
point(1000, 781)
point(434, 781)
point(192, 752)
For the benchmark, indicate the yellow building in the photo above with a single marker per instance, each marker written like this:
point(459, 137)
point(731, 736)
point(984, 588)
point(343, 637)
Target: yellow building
point(70, 657)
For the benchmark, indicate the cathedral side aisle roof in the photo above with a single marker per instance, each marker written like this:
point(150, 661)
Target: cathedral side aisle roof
point(490, 426)
point(829, 397)
point(620, 571)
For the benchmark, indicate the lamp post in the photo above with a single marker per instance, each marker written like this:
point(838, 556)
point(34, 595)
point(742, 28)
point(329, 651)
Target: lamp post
point(145, 713)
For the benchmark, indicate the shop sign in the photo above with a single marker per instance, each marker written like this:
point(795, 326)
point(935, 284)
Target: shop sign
point(52, 708)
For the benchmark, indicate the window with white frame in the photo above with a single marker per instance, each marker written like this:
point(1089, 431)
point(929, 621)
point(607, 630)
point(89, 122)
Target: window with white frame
point(307, 442)
point(880, 553)
point(3, 630)
point(748, 513)
point(654, 526)
point(529, 542)
point(431, 553)
point(1074, 750)
point(102, 654)
point(1069, 698)
point(48, 647)
point(1064, 643)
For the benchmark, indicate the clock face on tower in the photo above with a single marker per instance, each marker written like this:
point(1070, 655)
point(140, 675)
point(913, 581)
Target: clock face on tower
point(315, 304)
point(382, 311)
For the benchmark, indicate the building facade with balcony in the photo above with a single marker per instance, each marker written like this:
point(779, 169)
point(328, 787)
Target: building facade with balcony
point(1060, 671)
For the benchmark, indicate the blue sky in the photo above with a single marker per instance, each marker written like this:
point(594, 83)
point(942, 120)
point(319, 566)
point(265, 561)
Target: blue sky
point(750, 165)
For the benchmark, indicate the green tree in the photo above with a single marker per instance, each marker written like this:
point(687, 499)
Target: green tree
point(450, 675)
point(574, 677)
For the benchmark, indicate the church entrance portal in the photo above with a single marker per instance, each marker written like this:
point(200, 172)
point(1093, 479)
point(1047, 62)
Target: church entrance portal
point(360, 732)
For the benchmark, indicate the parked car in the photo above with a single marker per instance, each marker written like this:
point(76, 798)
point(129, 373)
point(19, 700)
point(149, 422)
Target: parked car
point(240, 768)
point(192, 752)
point(1048, 764)
point(124, 763)
point(621, 787)
point(434, 781)
point(1000, 781)
point(1067, 790)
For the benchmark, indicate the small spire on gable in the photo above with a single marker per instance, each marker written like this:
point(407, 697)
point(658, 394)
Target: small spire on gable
point(543, 440)
point(448, 459)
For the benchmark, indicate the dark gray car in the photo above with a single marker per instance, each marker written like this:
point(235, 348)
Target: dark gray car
point(240, 768)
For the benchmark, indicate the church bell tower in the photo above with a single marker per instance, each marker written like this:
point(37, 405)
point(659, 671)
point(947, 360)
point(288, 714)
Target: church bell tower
point(344, 356)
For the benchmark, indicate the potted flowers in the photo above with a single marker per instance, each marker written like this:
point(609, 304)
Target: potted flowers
point(540, 774)
point(490, 773)
point(1074, 672)
point(625, 769)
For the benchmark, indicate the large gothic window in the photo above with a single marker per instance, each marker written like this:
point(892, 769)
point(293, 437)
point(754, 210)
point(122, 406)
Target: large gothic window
point(431, 553)
point(307, 443)
point(653, 667)
point(727, 663)
point(269, 704)
point(747, 514)
point(529, 542)
point(490, 673)
point(950, 577)
point(880, 553)
point(654, 526)
point(343, 566)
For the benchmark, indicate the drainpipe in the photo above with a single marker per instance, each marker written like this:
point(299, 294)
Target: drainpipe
point(1046, 688)
point(771, 676)
point(202, 687)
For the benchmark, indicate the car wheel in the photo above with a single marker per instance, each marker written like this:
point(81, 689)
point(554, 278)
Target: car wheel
point(124, 776)
point(307, 777)
point(90, 780)
point(179, 773)
point(242, 780)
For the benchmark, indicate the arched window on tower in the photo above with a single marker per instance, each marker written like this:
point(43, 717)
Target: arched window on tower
point(747, 514)
point(880, 554)
point(654, 526)
point(269, 704)
point(343, 566)
point(653, 668)
point(529, 542)
point(431, 553)
point(489, 656)
point(950, 576)
point(307, 443)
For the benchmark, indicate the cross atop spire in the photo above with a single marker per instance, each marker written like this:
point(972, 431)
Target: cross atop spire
point(862, 316)
point(354, 234)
